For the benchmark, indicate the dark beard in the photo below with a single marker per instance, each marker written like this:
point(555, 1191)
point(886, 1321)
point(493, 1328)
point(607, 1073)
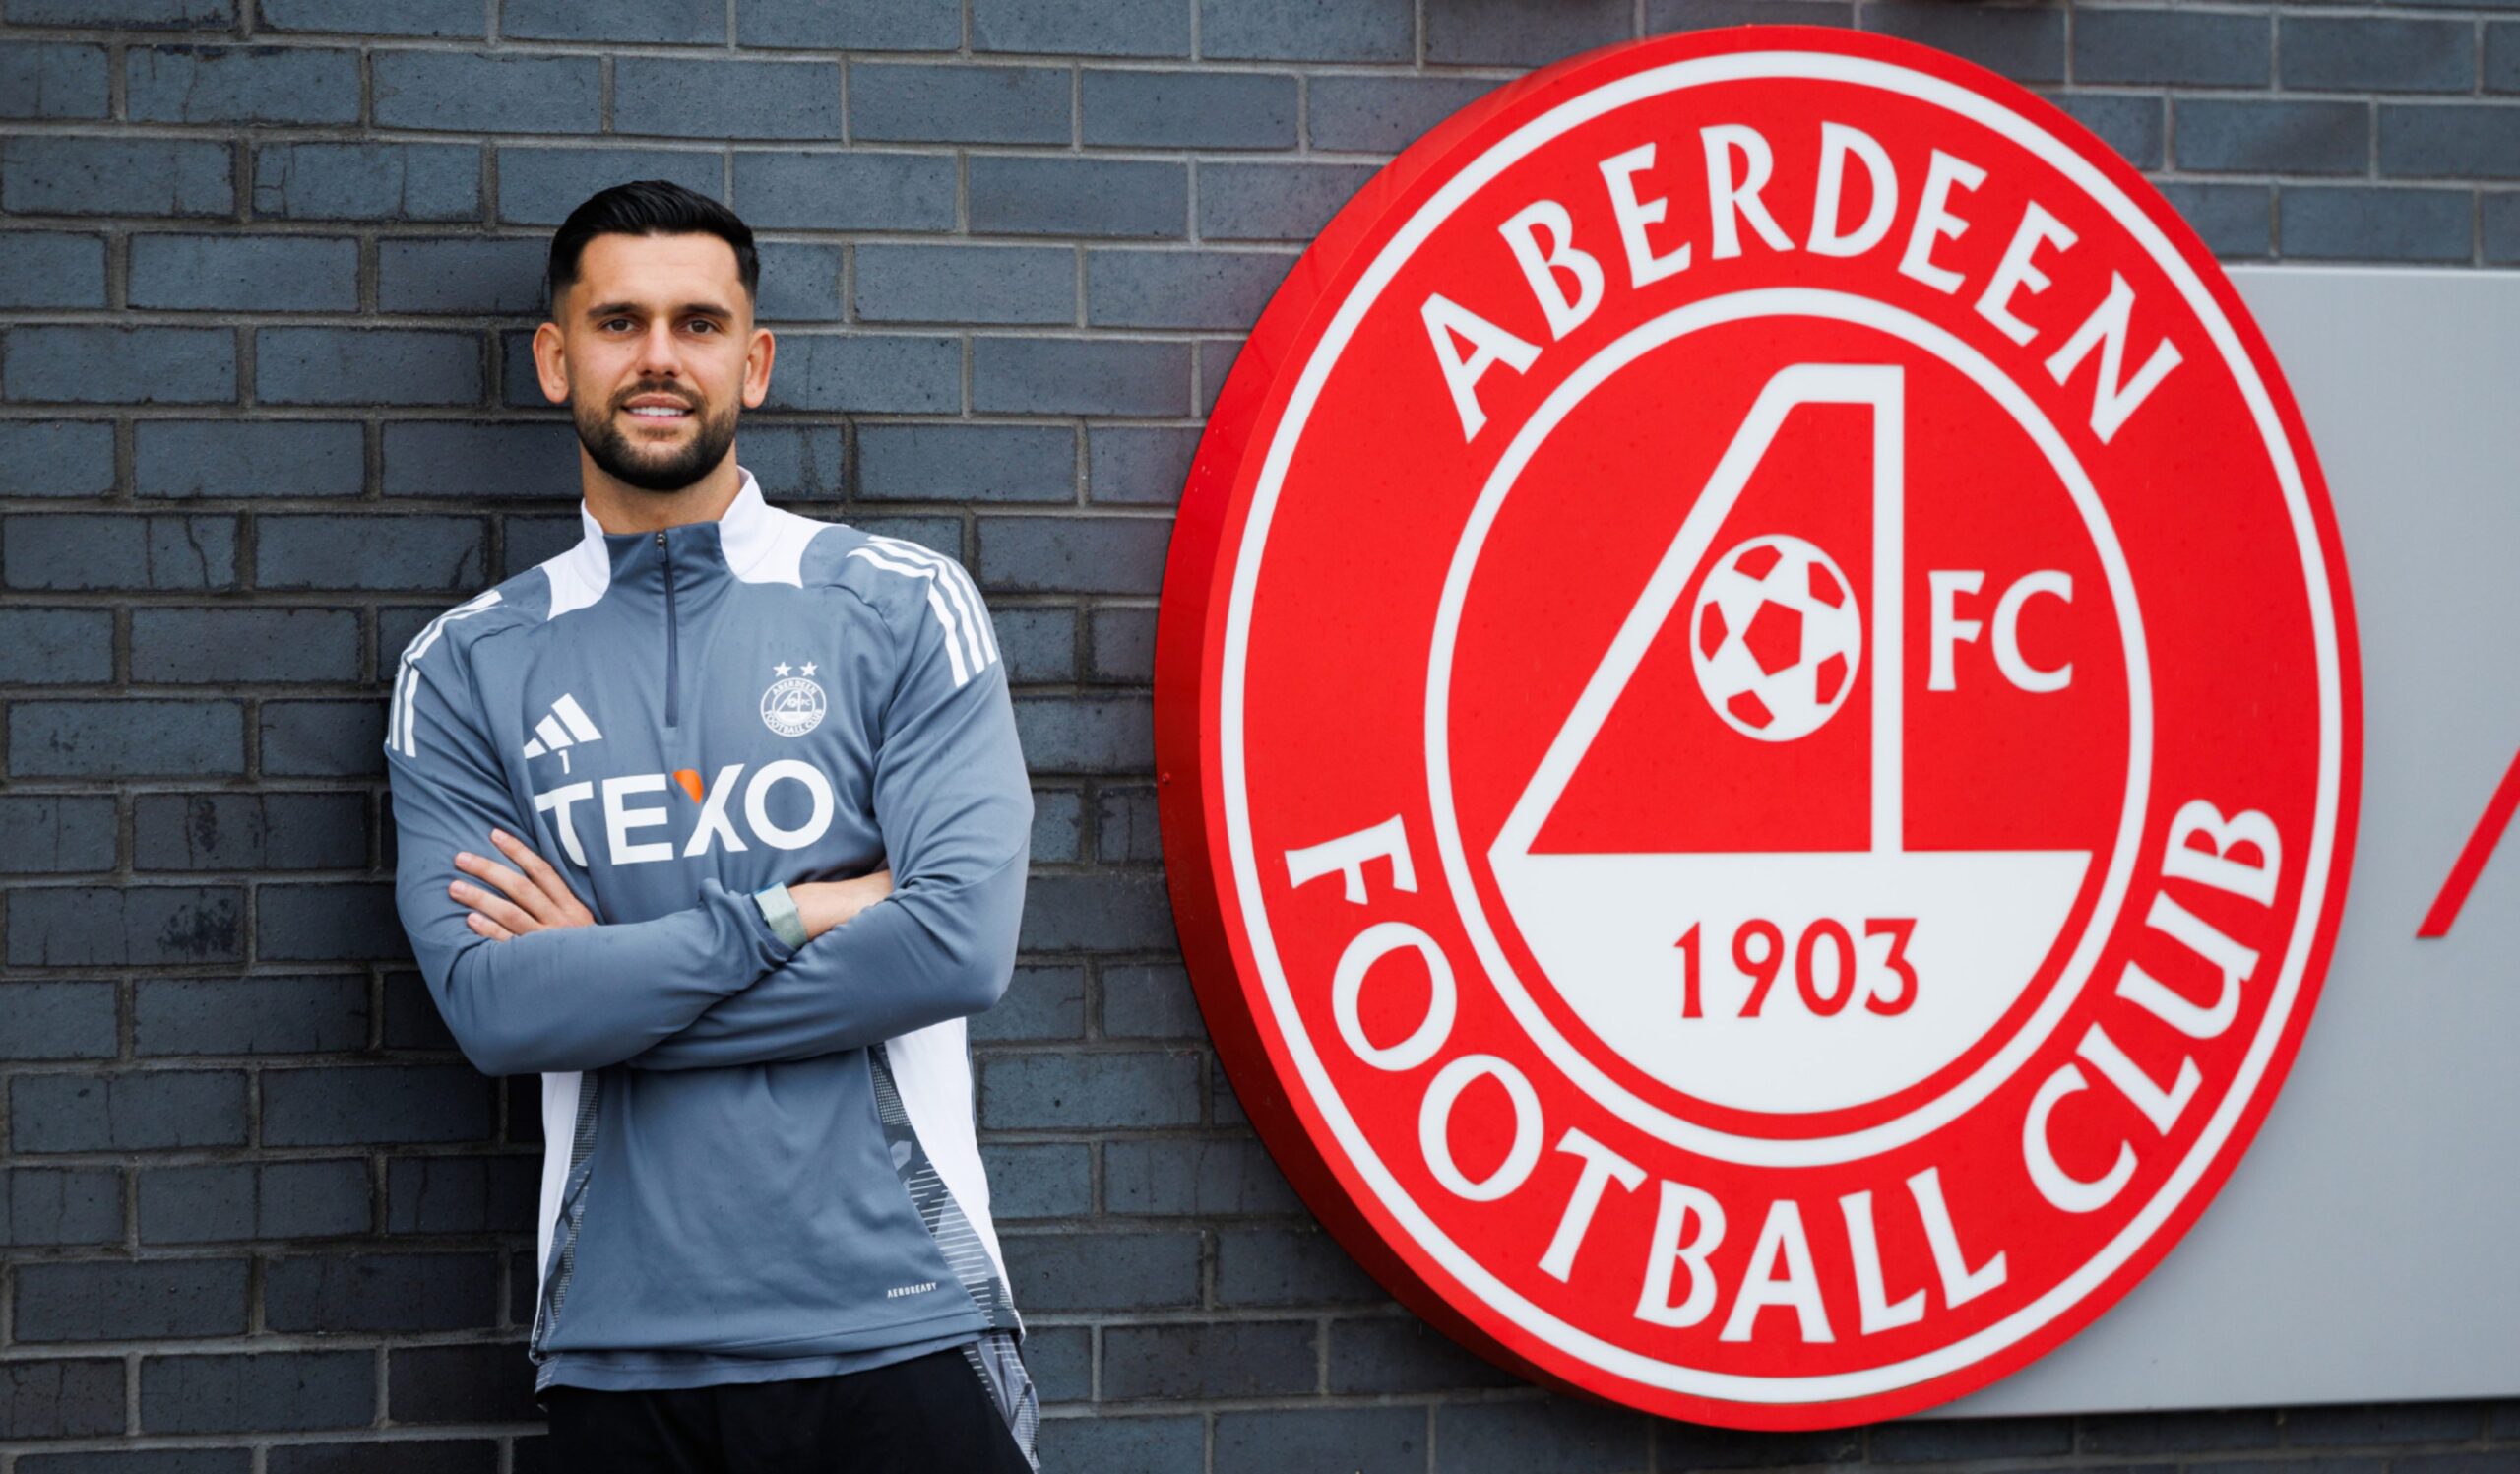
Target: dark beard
point(624, 462)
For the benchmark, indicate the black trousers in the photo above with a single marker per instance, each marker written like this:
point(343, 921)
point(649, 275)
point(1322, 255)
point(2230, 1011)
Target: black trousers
point(931, 1413)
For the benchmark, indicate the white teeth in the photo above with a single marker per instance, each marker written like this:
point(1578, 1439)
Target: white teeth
point(655, 412)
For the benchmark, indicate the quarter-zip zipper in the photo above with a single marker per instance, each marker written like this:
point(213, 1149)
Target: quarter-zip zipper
point(673, 652)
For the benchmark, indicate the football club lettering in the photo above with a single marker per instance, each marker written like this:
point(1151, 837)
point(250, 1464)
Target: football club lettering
point(1757, 728)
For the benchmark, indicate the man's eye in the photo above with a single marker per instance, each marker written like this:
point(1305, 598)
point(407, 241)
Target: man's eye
point(702, 322)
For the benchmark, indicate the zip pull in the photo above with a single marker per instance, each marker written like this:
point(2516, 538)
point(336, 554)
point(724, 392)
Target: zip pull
point(673, 652)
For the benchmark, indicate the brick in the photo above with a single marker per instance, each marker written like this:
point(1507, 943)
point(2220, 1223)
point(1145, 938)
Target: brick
point(367, 365)
point(2358, 223)
point(439, 18)
point(1037, 645)
point(1232, 1359)
point(1104, 1272)
point(1122, 648)
point(245, 458)
point(1271, 1266)
point(540, 186)
point(2178, 1431)
point(1274, 201)
point(369, 553)
point(2175, 47)
point(60, 1399)
point(1041, 1002)
point(1706, 15)
point(1114, 555)
point(2502, 58)
point(368, 181)
point(492, 1382)
point(1078, 376)
point(56, 647)
point(1404, 1355)
point(2258, 138)
point(120, 365)
point(50, 267)
point(250, 1015)
point(366, 1105)
point(1572, 1435)
point(399, 1456)
point(1149, 1001)
point(852, 25)
point(1110, 28)
point(2235, 220)
point(233, 1202)
point(59, 174)
point(966, 283)
point(1937, 1440)
point(967, 463)
point(846, 191)
point(2339, 53)
point(150, 14)
point(125, 739)
point(2344, 1423)
point(1147, 110)
point(797, 460)
point(241, 85)
point(1099, 198)
point(49, 835)
point(1052, 1179)
point(799, 282)
point(470, 275)
point(1061, 1360)
point(131, 1111)
point(60, 1205)
point(193, 1461)
point(1179, 288)
point(49, 80)
point(2449, 141)
point(1353, 1440)
point(1084, 734)
point(322, 738)
point(219, 646)
point(1308, 30)
point(245, 273)
point(1105, 912)
point(2131, 125)
point(868, 374)
point(688, 21)
point(468, 1195)
point(381, 1292)
point(1137, 466)
point(2498, 219)
point(1383, 114)
point(928, 102)
point(331, 923)
point(1695, 1446)
point(726, 98)
point(1183, 1178)
point(57, 1021)
point(119, 1301)
point(260, 1393)
point(473, 459)
point(56, 457)
point(1134, 1088)
point(2027, 45)
point(1114, 1444)
point(411, 1020)
point(1516, 32)
point(1057, 821)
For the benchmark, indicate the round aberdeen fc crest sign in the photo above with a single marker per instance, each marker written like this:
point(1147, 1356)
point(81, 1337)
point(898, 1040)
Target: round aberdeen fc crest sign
point(1757, 715)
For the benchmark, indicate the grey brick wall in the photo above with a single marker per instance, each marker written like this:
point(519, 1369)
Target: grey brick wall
point(267, 272)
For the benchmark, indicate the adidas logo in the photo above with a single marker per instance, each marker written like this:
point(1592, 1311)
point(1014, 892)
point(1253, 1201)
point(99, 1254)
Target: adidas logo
point(567, 726)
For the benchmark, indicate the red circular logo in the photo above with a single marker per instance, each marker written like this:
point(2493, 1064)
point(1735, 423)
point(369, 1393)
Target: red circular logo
point(1758, 711)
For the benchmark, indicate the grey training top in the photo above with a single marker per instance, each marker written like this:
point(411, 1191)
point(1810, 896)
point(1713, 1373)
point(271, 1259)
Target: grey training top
point(759, 1157)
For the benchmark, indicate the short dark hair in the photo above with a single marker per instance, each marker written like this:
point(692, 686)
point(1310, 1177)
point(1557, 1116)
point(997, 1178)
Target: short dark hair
point(647, 207)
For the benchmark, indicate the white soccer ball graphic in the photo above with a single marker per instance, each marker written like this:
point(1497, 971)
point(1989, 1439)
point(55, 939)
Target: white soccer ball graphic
point(1776, 638)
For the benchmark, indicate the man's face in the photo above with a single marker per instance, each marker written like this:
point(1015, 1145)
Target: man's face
point(654, 351)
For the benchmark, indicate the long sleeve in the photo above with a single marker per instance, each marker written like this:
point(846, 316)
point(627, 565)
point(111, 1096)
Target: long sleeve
point(954, 807)
point(571, 999)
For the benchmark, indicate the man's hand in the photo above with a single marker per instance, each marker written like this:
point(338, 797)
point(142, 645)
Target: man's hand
point(536, 899)
point(824, 904)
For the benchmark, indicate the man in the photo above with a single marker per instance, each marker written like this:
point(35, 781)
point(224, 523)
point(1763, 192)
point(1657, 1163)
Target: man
point(718, 822)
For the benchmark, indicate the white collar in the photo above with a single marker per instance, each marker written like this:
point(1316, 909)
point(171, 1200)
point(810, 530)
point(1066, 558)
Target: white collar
point(747, 531)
